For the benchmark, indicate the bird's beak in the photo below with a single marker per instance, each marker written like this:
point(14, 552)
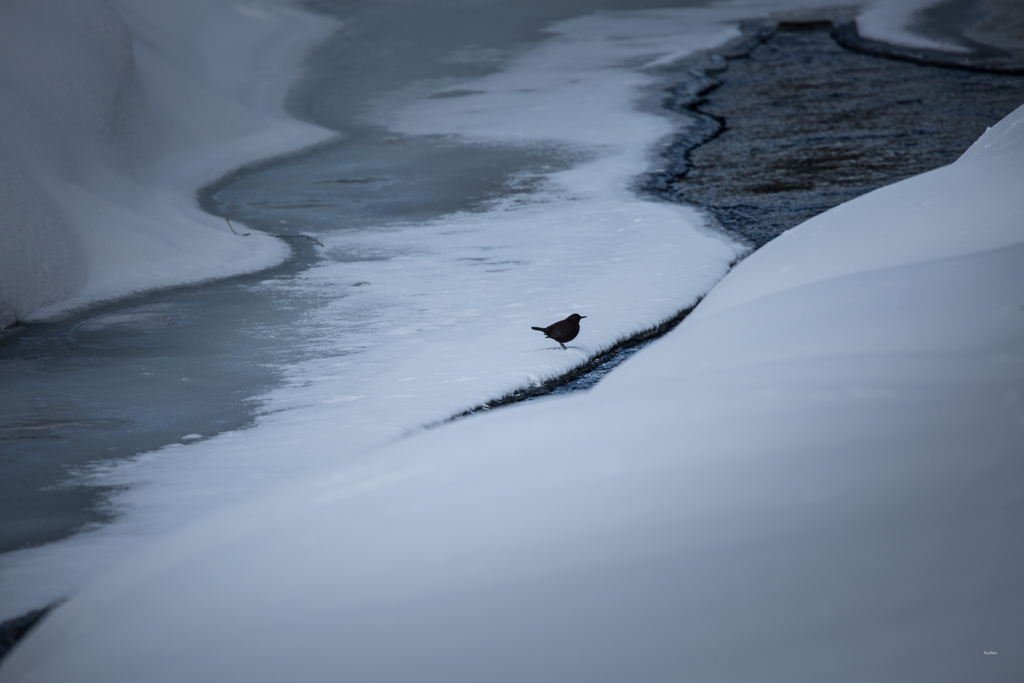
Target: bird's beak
point(582, 317)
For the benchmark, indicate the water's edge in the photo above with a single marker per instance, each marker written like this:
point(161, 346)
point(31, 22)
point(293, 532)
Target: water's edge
point(689, 97)
point(583, 376)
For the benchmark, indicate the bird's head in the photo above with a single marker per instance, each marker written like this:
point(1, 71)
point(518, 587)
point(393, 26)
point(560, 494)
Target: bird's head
point(576, 317)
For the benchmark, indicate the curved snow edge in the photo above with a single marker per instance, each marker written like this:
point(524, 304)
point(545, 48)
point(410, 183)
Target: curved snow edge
point(118, 113)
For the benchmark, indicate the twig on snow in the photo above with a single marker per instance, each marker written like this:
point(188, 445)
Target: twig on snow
point(270, 234)
point(246, 234)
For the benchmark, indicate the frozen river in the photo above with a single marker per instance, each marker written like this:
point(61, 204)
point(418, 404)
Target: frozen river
point(181, 365)
point(475, 188)
point(187, 363)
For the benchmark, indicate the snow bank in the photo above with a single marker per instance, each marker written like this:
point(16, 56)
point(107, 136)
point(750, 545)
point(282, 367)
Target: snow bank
point(892, 22)
point(815, 477)
point(114, 113)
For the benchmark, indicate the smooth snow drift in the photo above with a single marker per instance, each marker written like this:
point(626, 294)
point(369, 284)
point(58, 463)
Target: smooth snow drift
point(114, 114)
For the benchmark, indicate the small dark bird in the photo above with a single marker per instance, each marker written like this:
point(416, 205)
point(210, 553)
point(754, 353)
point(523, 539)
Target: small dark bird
point(564, 330)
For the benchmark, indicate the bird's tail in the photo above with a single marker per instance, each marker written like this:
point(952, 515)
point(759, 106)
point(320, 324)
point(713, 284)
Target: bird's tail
point(539, 329)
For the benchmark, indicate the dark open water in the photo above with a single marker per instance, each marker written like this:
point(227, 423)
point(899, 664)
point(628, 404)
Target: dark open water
point(799, 124)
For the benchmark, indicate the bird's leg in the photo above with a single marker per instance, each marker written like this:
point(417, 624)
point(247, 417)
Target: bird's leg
point(562, 345)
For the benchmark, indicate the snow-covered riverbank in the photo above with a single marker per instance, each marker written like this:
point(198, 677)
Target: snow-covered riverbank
point(840, 501)
point(114, 114)
point(702, 502)
point(413, 323)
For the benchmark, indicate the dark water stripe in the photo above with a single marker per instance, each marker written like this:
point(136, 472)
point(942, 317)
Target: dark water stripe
point(582, 377)
point(13, 630)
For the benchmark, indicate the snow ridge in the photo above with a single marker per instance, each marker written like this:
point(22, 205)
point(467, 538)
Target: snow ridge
point(114, 114)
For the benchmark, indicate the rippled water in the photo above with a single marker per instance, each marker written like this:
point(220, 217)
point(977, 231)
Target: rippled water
point(800, 124)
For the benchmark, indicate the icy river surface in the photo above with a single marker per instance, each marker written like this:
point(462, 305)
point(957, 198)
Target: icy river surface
point(490, 172)
point(435, 233)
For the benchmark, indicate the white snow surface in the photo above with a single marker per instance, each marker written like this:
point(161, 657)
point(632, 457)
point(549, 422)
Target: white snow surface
point(892, 21)
point(889, 21)
point(817, 476)
point(114, 114)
